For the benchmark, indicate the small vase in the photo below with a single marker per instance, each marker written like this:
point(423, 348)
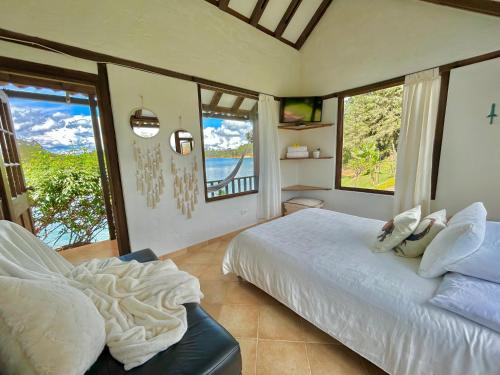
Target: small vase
point(315, 154)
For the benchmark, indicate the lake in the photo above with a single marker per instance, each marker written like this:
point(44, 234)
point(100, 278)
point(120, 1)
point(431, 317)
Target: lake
point(219, 168)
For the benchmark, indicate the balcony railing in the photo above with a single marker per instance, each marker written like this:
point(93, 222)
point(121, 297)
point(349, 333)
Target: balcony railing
point(236, 186)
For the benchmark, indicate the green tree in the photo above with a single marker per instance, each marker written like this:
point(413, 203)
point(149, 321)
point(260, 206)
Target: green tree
point(66, 193)
point(374, 117)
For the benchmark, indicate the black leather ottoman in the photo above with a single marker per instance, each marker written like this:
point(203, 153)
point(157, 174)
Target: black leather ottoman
point(206, 348)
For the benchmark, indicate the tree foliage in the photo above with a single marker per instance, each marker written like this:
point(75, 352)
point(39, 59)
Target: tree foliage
point(66, 193)
point(371, 131)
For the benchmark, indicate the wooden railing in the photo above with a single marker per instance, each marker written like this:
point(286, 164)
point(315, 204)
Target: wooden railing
point(236, 186)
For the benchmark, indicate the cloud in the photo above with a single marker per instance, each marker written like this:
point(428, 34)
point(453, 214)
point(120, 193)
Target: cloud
point(230, 135)
point(55, 130)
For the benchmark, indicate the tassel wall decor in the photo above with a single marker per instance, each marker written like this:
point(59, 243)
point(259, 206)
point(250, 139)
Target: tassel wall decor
point(149, 173)
point(185, 188)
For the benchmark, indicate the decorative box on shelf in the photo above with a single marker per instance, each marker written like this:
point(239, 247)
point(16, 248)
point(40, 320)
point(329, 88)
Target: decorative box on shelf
point(300, 203)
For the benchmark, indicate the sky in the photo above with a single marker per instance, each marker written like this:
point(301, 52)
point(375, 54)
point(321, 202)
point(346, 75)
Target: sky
point(57, 127)
point(225, 134)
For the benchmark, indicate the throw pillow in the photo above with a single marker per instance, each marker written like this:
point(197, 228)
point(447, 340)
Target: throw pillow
point(396, 230)
point(47, 327)
point(416, 243)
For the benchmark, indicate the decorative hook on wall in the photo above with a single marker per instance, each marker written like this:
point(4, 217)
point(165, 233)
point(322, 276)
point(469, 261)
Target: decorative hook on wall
point(492, 114)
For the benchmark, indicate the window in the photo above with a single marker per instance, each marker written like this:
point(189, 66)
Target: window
point(229, 156)
point(367, 135)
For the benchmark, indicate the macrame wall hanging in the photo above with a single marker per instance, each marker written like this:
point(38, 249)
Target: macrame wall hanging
point(149, 173)
point(185, 188)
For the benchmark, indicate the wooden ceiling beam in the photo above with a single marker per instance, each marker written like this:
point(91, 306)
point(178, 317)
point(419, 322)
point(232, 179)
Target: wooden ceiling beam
point(312, 23)
point(287, 17)
point(215, 99)
point(257, 12)
point(488, 7)
point(237, 103)
point(223, 4)
point(225, 111)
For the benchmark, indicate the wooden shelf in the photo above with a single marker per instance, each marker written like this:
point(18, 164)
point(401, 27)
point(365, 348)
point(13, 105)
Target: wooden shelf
point(309, 158)
point(307, 126)
point(303, 188)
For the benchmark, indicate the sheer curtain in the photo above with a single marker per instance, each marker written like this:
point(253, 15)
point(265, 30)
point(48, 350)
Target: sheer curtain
point(416, 141)
point(269, 197)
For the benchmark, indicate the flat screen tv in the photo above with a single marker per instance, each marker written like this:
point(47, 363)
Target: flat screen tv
point(300, 110)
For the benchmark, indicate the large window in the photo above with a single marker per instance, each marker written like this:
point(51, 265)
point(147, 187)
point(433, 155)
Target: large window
point(228, 129)
point(368, 131)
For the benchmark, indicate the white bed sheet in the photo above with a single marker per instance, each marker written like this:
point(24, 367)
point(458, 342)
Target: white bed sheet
point(319, 263)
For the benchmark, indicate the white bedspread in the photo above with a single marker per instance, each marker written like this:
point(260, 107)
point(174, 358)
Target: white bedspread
point(320, 264)
point(141, 302)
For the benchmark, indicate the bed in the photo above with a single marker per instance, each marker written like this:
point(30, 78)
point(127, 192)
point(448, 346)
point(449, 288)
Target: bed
point(319, 263)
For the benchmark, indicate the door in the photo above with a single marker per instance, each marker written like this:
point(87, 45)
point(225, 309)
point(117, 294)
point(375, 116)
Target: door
point(14, 202)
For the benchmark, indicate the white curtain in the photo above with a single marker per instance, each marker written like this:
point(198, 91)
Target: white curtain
point(416, 141)
point(269, 197)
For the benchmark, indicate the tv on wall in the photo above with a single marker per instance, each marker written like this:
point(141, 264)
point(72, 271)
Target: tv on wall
point(300, 110)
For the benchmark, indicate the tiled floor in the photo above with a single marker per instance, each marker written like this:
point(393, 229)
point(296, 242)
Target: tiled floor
point(273, 339)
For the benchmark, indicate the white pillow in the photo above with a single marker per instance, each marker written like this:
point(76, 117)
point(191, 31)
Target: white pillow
point(47, 327)
point(461, 238)
point(416, 243)
point(475, 299)
point(485, 262)
point(396, 230)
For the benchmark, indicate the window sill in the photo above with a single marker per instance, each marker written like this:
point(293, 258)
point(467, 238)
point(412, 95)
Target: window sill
point(229, 196)
point(362, 190)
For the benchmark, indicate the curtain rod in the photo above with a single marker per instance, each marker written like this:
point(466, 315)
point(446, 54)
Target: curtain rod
point(85, 54)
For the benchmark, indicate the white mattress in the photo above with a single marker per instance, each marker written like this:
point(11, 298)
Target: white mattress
point(319, 263)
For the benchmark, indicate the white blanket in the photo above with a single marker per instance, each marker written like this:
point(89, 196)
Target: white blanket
point(141, 303)
point(321, 264)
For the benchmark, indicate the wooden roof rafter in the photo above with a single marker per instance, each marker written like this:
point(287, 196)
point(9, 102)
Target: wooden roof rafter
point(489, 7)
point(286, 18)
point(225, 109)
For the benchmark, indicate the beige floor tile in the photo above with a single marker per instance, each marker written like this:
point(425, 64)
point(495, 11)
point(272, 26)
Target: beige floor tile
point(248, 355)
point(213, 309)
point(281, 358)
point(277, 322)
point(214, 291)
point(240, 320)
point(214, 272)
point(202, 257)
point(314, 335)
point(241, 292)
point(334, 360)
point(192, 268)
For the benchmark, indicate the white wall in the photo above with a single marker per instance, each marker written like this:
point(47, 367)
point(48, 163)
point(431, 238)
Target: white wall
point(365, 41)
point(470, 157)
point(188, 36)
point(165, 229)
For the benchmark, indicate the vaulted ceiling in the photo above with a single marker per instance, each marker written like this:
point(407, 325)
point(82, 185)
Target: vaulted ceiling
point(292, 21)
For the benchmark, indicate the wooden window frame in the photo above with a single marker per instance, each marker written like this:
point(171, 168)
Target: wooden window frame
point(255, 153)
point(26, 72)
point(438, 137)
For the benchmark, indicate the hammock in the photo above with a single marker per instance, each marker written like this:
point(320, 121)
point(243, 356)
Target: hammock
point(228, 179)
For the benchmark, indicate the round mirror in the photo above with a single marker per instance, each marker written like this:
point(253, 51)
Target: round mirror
point(182, 142)
point(144, 123)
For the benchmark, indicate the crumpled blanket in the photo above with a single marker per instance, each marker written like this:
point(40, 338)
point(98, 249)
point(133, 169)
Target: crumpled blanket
point(142, 303)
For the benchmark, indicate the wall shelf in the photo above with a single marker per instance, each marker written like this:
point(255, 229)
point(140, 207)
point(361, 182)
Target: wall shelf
point(303, 188)
point(307, 126)
point(309, 158)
